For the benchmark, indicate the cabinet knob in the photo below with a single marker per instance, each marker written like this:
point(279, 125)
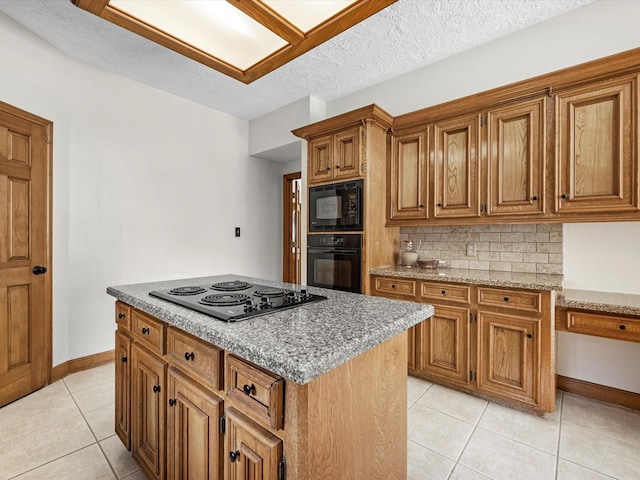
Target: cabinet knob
point(172, 402)
point(622, 327)
point(145, 331)
point(439, 204)
point(123, 359)
point(248, 390)
point(337, 166)
point(393, 285)
point(444, 292)
point(420, 206)
point(328, 168)
point(529, 335)
point(156, 389)
point(564, 195)
point(121, 316)
point(506, 299)
point(233, 456)
point(535, 197)
point(189, 356)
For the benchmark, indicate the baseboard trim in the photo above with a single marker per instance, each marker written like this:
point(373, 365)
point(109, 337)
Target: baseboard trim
point(599, 392)
point(83, 363)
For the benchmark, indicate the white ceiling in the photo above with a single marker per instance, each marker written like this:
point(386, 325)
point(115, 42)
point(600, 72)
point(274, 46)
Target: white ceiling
point(405, 36)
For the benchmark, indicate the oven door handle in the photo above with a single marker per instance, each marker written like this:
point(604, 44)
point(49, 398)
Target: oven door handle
point(333, 252)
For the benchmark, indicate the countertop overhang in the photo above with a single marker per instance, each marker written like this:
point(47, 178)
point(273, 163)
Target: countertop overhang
point(299, 344)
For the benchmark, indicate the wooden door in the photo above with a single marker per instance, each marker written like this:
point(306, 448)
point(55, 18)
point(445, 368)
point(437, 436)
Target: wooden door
point(508, 356)
point(320, 159)
point(597, 147)
point(443, 344)
point(148, 413)
point(25, 292)
point(194, 443)
point(409, 177)
point(291, 228)
point(457, 180)
point(517, 146)
point(252, 452)
point(347, 154)
point(123, 387)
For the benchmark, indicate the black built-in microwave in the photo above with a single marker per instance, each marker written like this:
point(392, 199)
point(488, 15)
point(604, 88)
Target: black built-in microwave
point(336, 207)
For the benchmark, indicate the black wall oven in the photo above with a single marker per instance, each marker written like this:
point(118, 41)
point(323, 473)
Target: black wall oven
point(334, 261)
point(336, 207)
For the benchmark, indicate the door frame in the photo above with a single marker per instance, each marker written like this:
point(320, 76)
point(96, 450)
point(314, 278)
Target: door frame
point(287, 181)
point(48, 278)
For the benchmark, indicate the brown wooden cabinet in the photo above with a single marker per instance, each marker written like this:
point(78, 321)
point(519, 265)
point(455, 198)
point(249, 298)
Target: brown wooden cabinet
point(148, 411)
point(597, 147)
point(194, 440)
point(492, 341)
point(409, 176)
point(252, 452)
point(335, 157)
point(123, 387)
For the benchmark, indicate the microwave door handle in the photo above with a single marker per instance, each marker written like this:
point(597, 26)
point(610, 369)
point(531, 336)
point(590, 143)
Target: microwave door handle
point(333, 252)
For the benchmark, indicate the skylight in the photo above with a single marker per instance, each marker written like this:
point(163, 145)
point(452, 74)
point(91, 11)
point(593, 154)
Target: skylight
point(244, 39)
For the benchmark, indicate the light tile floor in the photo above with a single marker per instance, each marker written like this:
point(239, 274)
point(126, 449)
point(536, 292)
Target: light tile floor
point(65, 431)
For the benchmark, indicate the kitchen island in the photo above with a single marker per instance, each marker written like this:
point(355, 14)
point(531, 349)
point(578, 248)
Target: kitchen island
point(313, 392)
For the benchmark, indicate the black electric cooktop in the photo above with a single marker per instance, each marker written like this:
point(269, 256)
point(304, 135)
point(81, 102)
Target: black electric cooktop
point(236, 300)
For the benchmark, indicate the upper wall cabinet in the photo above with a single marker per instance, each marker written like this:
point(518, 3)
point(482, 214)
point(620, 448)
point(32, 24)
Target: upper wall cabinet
point(409, 176)
point(335, 157)
point(516, 152)
point(597, 147)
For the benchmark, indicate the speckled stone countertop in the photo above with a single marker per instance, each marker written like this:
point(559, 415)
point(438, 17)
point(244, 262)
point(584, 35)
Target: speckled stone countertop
point(299, 344)
point(623, 303)
point(529, 281)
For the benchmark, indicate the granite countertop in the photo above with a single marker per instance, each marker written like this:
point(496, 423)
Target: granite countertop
point(623, 303)
point(299, 344)
point(529, 281)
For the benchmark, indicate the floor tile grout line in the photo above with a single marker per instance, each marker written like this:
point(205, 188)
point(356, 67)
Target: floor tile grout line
point(50, 461)
point(600, 433)
point(559, 435)
point(104, 454)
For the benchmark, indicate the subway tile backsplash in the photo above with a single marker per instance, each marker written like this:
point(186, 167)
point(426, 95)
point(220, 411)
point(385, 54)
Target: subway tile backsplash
point(530, 248)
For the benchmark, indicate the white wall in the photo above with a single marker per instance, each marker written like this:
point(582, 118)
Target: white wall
point(147, 186)
point(596, 256)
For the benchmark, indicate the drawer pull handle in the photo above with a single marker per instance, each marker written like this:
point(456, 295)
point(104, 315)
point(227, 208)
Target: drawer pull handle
point(172, 402)
point(156, 389)
point(145, 331)
point(506, 299)
point(189, 356)
point(233, 456)
point(622, 327)
point(248, 390)
point(534, 198)
point(529, 335)
point(444, 292)
point(122, 315)
point(393, 285)
point(123, 359)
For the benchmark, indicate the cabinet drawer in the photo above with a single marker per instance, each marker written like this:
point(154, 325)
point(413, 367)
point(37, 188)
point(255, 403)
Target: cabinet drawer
point(517, 300)
point(395, 286)
point(445, 291)
point(148, 331)
point(123, 315)
point(197, 357)
point(611, 326)
point(259, 390)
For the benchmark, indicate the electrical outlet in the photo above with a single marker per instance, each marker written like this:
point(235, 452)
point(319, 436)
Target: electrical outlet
point(237, 231)
point(471, 249)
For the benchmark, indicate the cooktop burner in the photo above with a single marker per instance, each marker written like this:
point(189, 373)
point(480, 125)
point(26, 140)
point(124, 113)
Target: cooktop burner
point(236, 300)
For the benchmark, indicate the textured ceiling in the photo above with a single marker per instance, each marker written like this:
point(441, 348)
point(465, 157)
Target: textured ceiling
point(405, 36)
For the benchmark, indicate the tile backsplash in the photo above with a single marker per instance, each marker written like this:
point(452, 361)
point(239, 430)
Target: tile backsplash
point(530, 248)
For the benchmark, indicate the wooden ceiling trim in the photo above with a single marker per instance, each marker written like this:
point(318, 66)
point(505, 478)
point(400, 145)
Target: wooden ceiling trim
point(270, 19)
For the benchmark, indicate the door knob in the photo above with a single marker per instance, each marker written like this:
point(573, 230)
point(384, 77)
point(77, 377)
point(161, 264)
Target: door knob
point(38, 270)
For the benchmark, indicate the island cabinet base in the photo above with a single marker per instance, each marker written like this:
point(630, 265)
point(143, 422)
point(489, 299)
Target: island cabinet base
point(207, 414)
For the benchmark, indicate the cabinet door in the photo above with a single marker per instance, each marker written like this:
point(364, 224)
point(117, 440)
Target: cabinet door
point(194, 444)
point(252, 452)
point(508, 358)
point(516, 144)
point(597, 152)
point(409, 176)
point(148, 394)
point(347, 158)
point(457, 180)
point(123, 388)
point(443, 344)
point(321, 159)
